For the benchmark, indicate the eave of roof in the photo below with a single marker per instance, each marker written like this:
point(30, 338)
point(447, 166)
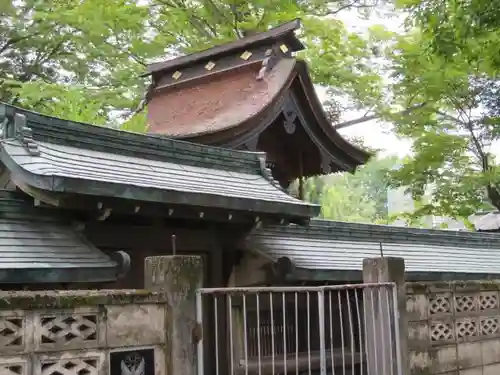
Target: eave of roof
point(356, 155)
point(234, 124)
point(350, 276)
point(67, 157)
point(281, 31)
point(329, 246)
point(40, 246)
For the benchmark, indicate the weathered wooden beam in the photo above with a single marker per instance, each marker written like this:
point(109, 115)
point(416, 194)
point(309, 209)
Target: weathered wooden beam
point(153, 237)
point(124, 207)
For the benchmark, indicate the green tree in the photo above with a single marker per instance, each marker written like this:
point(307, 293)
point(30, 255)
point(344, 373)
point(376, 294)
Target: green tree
point(345, 201)
point(98, 48)
point(358, 197)
point(470, 28)
point(453, 126)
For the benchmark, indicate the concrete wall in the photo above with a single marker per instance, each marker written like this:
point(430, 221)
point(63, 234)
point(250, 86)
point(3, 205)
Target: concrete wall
point(454, 328)
point(81, 332)
point(106, 332)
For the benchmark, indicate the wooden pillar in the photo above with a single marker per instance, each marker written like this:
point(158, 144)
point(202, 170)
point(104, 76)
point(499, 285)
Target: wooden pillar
point(301, 178)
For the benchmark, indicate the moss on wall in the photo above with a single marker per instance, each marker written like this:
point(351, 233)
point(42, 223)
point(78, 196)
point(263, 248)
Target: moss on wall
point(183, 274)
point(452, 286)
point(24, 300)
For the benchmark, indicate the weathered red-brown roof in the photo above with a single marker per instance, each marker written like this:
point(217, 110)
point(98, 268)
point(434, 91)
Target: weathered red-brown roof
point(216, 104)
point(231, 96)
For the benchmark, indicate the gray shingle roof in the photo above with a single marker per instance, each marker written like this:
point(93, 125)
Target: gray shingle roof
point(330, 245)
point(64, 156)
point(40, 246)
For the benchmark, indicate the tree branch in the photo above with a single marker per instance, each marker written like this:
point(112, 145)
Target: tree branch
point(450, 117)
point(353, 4)
point(357, 121)
point(13, 41)
point(366, 118)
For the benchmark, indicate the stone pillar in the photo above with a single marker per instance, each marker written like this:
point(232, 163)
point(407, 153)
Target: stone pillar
point(179, 277)
point(383, 346)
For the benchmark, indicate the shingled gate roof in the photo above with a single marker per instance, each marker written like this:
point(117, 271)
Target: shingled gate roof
point(230, 94)
point(335, 250)
point(62, 156)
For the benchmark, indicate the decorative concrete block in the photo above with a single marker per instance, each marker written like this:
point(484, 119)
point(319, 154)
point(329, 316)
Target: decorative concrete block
point(16, 329)
point(78, 328)
point(15, 365)
point(80, 362)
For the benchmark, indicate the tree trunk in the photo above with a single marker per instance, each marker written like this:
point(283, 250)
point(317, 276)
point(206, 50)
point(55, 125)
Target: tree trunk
point(493, 196)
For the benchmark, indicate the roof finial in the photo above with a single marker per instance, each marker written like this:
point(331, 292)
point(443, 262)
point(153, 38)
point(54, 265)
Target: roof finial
point(268, 63)
point(25, 134)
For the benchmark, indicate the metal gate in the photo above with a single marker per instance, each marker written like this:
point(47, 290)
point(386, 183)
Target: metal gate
point(341, 329)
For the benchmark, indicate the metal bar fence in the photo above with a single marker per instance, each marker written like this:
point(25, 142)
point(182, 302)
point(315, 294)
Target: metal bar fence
point(337, 330)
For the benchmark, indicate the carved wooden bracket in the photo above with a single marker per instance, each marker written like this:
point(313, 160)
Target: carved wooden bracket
point(290, 113)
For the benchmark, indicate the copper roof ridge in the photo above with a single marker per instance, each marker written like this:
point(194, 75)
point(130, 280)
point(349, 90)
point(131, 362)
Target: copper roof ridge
point(271, 34)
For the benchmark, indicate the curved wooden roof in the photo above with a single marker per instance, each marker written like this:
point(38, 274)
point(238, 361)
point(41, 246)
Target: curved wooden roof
point(232, 99)
point(230, 109)
point(217, 105)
